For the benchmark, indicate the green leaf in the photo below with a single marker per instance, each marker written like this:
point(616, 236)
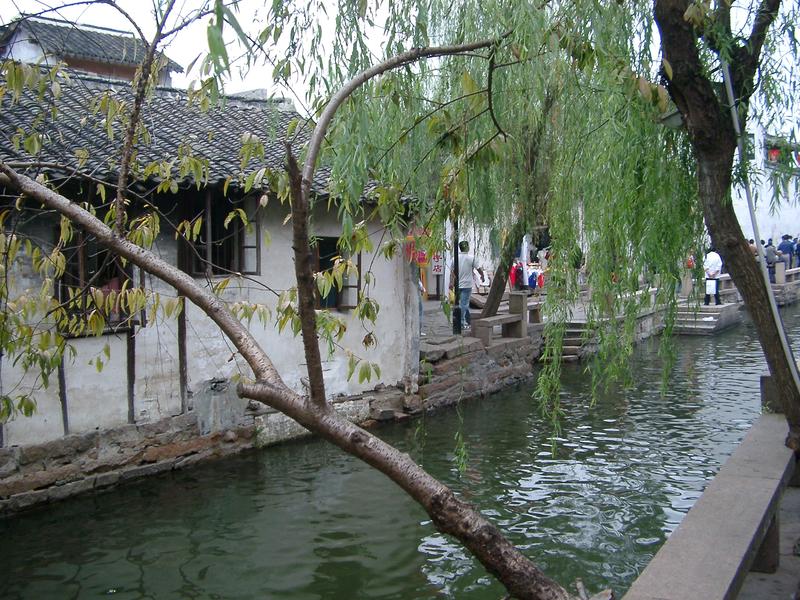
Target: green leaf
point(352, 363)
point(364, 372)
point(216, 47)
point(468, 84)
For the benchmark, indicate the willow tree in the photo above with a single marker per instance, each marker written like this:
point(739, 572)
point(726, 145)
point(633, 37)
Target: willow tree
point(443, 114)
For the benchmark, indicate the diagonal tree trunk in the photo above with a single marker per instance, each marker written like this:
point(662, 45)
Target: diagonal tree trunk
point(714, 142)
point(503, 266)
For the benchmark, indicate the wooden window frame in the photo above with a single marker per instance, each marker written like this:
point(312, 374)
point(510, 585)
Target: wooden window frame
point(347, 284)
point(77, 254)
point(198, 258)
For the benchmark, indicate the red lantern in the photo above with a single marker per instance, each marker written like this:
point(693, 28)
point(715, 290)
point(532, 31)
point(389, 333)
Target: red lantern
point(773, 154)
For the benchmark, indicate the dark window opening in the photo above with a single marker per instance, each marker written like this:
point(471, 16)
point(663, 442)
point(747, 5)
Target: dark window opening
point(220, 250)
point(89, 265)
point(327, 252)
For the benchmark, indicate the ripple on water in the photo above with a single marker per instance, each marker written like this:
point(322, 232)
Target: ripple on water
point(304, 522)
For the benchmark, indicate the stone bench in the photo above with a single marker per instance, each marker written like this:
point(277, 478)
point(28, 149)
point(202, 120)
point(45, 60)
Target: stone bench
point(731, 529)
point(512, 326)
point(535, 311)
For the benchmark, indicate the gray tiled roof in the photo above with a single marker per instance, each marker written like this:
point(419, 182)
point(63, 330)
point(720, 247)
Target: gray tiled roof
point(65, 40)
point(215, 135)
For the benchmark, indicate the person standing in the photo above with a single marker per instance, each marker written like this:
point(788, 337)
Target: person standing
point(466, 263)
point(786, 248)
point(771, 256)
point(712, 265)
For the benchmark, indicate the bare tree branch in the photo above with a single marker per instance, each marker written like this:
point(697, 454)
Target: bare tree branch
point(348, 88)
point(130, 134)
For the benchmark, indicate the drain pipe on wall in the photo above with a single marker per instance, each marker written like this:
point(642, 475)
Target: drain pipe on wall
point(787, 350)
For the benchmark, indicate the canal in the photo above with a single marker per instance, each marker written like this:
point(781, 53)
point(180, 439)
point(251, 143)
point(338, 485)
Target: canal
point(302, 521)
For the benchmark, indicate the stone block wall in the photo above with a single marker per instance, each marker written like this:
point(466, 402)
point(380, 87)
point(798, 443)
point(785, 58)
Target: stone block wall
point(40, 473)
point(462, 369)
point(221, 424)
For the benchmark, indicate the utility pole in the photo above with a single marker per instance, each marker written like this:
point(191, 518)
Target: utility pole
point(456, 295)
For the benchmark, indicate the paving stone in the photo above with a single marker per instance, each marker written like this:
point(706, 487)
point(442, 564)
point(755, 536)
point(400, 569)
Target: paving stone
point(106, 479)
point(145, 470)
point(60, 492)
point(27, 499)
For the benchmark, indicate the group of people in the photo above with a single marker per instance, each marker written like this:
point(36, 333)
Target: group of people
point(787, 252)
point(521, 276)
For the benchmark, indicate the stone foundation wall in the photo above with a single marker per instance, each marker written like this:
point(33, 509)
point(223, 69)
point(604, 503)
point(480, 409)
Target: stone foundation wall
point(40, 473)
point(220, 424)
point(462, 369)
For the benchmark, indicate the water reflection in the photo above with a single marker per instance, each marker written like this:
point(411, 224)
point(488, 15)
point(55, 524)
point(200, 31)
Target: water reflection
point(302, 521)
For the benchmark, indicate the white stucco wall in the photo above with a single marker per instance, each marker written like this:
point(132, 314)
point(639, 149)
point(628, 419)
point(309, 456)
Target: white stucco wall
point(211, 354)
point(100, 400)
point(22, 50)
point(776, 214)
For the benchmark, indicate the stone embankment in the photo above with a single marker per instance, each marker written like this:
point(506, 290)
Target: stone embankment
point(220, 424)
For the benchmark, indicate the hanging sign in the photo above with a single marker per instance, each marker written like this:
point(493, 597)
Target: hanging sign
point(437, 263)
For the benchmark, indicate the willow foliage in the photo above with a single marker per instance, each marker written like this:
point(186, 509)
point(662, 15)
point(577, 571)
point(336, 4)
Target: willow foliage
point(556, 123)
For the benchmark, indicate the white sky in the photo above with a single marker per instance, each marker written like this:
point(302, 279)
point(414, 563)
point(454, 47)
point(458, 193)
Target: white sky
point(183, 48)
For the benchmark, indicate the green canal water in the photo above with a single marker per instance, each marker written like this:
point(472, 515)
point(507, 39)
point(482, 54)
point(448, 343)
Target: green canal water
point(303, 521)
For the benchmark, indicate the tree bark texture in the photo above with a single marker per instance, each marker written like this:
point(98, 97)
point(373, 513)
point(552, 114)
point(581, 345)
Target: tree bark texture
point(450, 515)
point(503, 266)
point(305, 281)
point(713, 139)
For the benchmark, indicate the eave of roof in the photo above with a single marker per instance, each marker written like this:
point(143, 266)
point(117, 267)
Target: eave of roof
point(68, 40)
point(214, 136)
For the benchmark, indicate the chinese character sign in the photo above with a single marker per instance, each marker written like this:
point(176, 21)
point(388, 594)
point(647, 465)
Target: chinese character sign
point(437, 263)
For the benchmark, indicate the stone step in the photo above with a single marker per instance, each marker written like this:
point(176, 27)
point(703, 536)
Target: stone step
point(692, 321)
point(696, 330)
point(570, 350)
point(698, 313)
point(565, 358)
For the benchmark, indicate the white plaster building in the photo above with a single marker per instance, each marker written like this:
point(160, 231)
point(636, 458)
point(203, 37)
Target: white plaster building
point(775, 186)
point(154, 367)
point(85, 49)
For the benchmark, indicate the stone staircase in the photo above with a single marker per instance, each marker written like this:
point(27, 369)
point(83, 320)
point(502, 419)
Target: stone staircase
point(705, 320)
point(574, 343)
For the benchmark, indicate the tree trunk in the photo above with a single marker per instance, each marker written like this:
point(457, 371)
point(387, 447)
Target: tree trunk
point(723, 226)
point(501, 273)
point(304, 274)
point(713, 139)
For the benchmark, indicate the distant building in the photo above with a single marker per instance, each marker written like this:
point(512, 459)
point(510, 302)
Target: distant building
point(775, 184)
point(99, 51)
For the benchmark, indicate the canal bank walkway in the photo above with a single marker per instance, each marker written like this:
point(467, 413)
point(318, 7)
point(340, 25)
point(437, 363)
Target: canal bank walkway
point(784, 584)
point(781, 585)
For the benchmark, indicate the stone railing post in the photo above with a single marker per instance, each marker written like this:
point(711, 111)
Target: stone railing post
point(687, 284)
point(780, 272)
point(771, 402)
point(517, 303)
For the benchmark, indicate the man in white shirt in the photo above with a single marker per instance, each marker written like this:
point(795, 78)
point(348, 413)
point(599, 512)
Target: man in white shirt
point(466, 263)
point(713, 267)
